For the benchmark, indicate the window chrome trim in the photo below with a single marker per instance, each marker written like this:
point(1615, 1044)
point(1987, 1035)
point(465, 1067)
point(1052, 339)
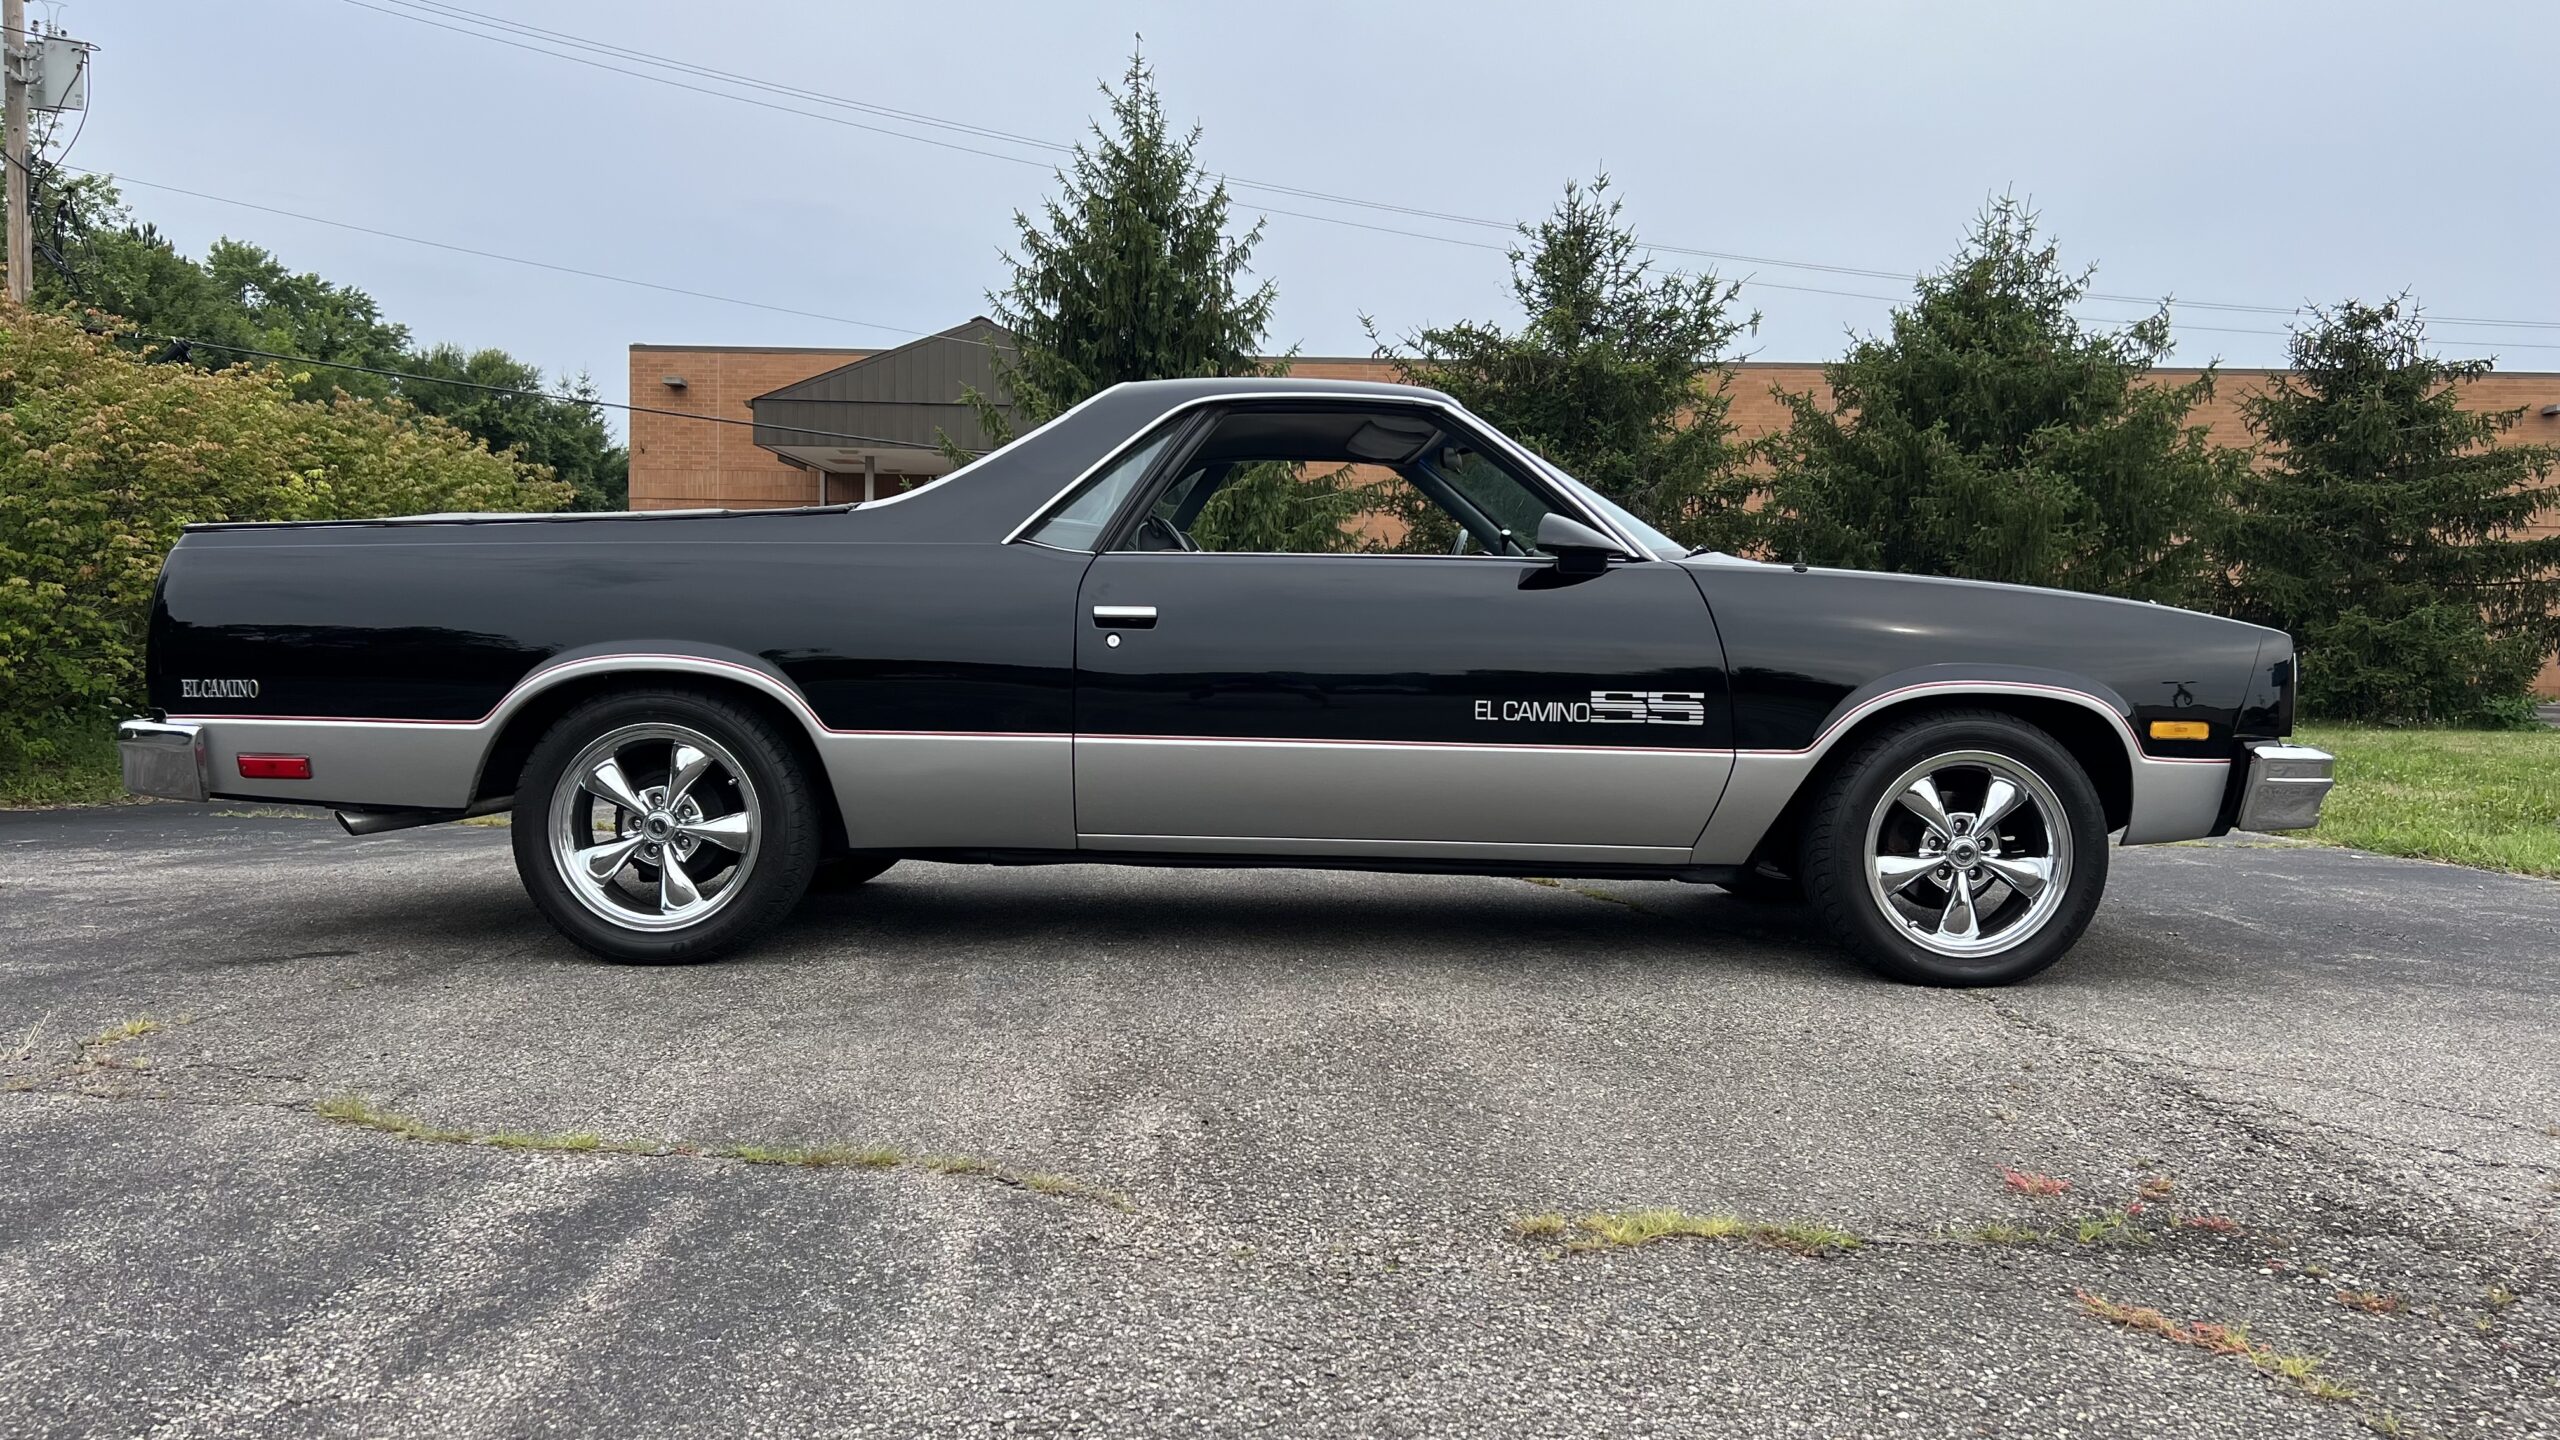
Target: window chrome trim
point(939, 481)
point(1566, 487)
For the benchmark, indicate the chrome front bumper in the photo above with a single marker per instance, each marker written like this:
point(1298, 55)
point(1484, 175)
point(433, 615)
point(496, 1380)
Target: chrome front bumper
point(162, 760)
point(2286, 784)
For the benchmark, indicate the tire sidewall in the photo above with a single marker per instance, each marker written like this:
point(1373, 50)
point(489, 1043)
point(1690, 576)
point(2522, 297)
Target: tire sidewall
point(787, 852)
point(1835, 860)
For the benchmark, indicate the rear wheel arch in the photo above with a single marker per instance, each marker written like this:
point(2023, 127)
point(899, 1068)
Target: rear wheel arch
point(537, 706)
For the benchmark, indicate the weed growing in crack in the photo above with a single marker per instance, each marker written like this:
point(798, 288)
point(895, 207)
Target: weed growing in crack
point(2113, 1227)
point(1627, 1229)
point(122, 1031)
point(816, 1157)
point(957, 1165)
point(2002, 1232)
point(357, 1111)
point(2299, 1370)
point(1044, 1183)
point(2028, 1182)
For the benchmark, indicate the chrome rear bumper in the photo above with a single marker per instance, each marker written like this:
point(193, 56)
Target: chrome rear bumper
point(2286, 784)
point(163, 760)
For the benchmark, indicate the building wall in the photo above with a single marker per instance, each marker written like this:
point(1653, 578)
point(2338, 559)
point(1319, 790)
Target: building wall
point(679, 464)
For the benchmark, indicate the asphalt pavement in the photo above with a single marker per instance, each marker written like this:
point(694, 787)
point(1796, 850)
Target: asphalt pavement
point(1082, 1150)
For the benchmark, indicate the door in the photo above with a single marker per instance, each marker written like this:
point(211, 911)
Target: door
point(1328, 631)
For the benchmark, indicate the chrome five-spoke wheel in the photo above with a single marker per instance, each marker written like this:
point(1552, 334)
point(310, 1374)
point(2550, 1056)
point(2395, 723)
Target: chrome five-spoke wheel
point(1968, 853)
point(654, 827)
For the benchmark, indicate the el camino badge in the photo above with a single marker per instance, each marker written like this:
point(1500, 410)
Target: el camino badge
point(217, 689)
point(1605, 707)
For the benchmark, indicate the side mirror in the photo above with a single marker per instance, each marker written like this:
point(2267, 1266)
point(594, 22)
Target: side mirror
point(1579, 549)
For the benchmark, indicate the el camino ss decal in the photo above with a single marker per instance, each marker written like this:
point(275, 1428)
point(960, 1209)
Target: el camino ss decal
point(1605, 707)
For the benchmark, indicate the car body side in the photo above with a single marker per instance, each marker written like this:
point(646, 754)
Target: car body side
point(947, 681)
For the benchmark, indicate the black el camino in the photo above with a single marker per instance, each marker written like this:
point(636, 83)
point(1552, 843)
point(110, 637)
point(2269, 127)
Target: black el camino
point(1213, 622)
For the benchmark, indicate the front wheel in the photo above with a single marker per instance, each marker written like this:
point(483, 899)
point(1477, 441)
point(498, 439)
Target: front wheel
point(664, 825)
point(1960, 848)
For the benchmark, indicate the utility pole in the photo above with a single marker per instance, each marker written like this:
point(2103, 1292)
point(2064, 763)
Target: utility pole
point(16, 55)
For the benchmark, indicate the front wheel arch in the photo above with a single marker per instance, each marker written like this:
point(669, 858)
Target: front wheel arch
point(2094, 741)
point(1862, 905)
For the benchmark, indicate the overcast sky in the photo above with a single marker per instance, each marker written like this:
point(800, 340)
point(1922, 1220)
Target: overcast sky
point(2257, 154)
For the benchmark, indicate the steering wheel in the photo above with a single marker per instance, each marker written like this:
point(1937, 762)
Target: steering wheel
point(1159, 526)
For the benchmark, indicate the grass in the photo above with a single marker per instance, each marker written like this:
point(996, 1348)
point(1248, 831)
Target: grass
point(122, 1031)
point(364, 1114)
point(817, 1157)
point(1627, 1229)
point(2003, 1232)
point(2485, 798)
point(60, 763)
point(2112, 1227)
point(2300, 1371)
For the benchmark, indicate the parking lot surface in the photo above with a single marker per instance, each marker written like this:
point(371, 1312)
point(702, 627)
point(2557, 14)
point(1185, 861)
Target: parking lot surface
point(294, 1141)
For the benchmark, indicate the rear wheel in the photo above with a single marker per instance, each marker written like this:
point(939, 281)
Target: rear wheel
point(1961, 848)
point(664, 825)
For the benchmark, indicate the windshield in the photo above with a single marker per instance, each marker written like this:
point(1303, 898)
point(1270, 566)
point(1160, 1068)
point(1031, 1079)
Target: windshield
point(1662, 546)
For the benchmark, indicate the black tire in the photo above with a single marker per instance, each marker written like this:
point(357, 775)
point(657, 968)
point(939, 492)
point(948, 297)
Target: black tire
point(843, 872)
point(770, 788)
point(1857, 801)
point(1760, 885)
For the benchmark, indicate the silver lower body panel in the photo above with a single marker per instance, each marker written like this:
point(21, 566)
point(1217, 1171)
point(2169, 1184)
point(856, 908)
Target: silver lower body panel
point(1420, 801)
point(1453, 851)
point(2172, 800)
point(928, 792)
point(377, 764)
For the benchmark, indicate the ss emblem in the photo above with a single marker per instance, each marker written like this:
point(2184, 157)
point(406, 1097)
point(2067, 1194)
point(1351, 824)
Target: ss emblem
point(1648, 707)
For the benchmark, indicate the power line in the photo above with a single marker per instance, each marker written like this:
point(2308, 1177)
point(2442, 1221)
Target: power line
point(509, 259)
point(963, 340)
point(472, 17)
point(190, 341)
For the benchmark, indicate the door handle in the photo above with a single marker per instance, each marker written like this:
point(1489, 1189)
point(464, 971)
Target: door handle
point(1125, 617)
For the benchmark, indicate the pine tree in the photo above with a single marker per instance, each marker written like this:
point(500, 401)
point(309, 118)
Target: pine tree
point(2388, 533)
point(1618, 375)
point(1991, 435)
point(1130, 274)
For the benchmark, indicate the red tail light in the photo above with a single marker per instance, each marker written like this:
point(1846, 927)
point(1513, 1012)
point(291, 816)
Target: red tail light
point(275, 767)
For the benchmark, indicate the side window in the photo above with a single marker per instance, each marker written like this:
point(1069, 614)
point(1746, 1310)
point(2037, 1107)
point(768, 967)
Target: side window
point(1079, 524)
point(1365, 481)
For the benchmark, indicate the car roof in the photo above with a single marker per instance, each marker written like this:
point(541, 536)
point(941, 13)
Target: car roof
point(1172, 393)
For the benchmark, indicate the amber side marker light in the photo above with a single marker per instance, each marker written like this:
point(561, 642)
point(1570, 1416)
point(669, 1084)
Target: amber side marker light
point(275, 767)
point(2181, 730)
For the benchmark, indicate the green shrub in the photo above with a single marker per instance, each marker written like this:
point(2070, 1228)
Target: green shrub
point(105, 457)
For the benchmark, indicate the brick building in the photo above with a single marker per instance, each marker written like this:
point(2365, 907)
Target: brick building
point(816, 426)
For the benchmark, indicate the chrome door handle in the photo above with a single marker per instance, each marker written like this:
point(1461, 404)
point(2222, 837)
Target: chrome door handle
point(1125, 617)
